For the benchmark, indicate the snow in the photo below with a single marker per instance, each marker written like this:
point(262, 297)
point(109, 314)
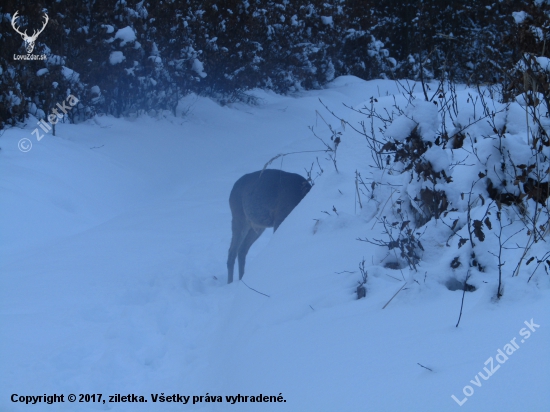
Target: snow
point(520, 16)
point(327, 20)
point(108, 27)
point(116, 57)
point(156, 59)
point(198, 68)
point(401, 128)
point(113, 276)
point(70, 74)
point(544, 63)
point(126, 34)
point(438, 158)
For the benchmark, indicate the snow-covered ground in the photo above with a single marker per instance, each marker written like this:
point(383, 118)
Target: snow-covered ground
point(114, 238)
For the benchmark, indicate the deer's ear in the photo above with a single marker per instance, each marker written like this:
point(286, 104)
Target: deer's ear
point(23, 36)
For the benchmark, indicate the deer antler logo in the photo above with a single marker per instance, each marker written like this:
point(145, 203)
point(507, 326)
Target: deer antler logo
point(29, 40)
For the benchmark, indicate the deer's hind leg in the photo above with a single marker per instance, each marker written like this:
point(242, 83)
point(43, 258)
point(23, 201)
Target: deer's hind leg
point(252, 235)
point(240, 229)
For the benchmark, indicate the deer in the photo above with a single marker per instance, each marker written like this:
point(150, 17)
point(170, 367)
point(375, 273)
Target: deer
point(260, 200)
point(29, 40)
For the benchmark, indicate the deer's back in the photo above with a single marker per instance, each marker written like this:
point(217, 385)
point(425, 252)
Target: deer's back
point(267, 197)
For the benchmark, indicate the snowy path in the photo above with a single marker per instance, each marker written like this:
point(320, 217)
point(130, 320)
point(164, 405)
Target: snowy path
point(115, 236)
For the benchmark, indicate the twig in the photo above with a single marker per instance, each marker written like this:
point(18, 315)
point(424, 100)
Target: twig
point(289, 153)
point(357, 194)
point(254, 289)
point(539, 261)
point(401, 288)
point(393, 277)
point(463, 293)
point(425, 367)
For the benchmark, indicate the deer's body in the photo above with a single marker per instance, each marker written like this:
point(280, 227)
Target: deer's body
point(260, 200)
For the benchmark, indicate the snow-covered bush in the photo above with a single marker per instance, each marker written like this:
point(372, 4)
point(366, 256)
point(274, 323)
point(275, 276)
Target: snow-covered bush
point(462, 171)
